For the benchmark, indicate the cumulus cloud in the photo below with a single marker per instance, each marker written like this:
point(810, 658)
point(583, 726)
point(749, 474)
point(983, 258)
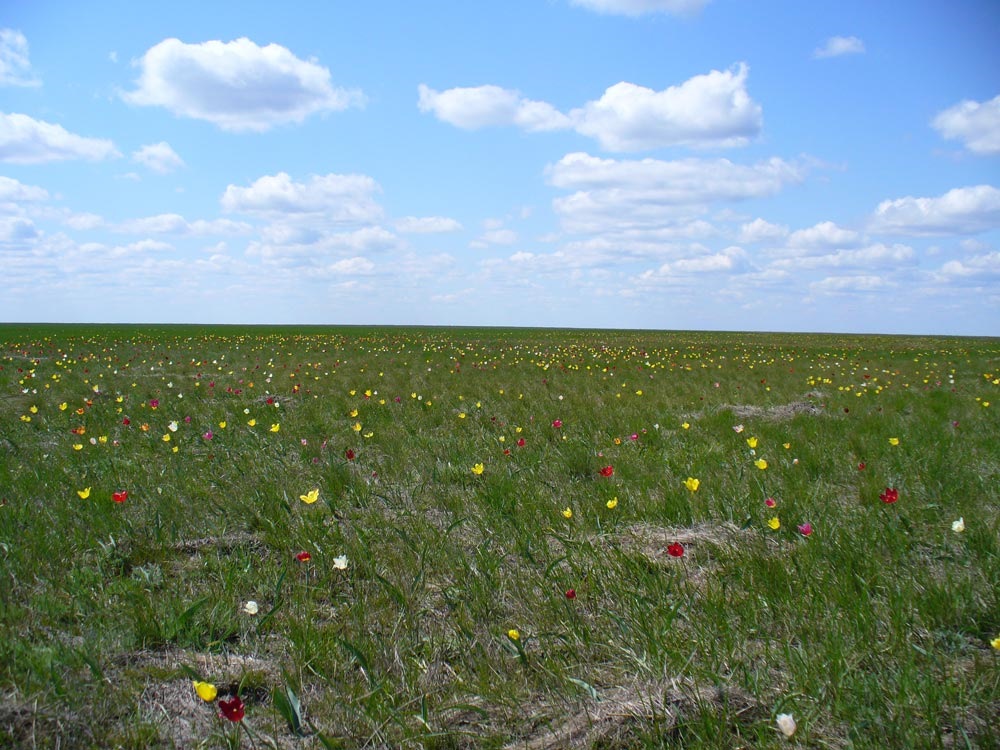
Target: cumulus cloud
point(15, 68)
point(965, 210)
point(710, 110)
point(338, 197)
point(16, 229)
point(760, 230)
point(178, 225)
point(713, 109)
point(477, 107)
point(850, 284)
point(836, 46)
point(612, 193)
point(159, 157)
point(977, 269)
point(877, 256)
point(642, 7)
point(12, 190)
point(426, 225)
point(822, 235)
point(25, 140)
point(495, 236)
point(977, 124)
point(238, 85)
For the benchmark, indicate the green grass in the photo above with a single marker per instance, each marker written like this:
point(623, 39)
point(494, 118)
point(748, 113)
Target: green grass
point(874, 631)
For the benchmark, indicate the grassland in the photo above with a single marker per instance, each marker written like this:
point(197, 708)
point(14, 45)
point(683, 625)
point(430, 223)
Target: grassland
point(507, 547)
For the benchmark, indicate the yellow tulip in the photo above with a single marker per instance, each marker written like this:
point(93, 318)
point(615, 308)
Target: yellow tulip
point(310, 497)
point(478, 469)
point(205, 690)
point(774, 523)
point(612, 503)
point(84, 493)
point(692, 484)
point(275, 427)
point(760, 463)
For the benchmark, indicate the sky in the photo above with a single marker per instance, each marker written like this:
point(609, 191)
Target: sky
point(655, 164)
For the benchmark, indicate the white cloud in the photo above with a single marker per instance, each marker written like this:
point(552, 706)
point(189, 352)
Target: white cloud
point(237, 86)
point(159, 157)
point(641, 7)
point(482, 106)
point(959, 211)
point(836, 46)
point(25, 140)
point(177, 224)
point(978, 268)
point(850, 284)
point(355, 266)
point(713, 109)
point(623, 194)
point(977, 124)
point(877, 256)
point(13, 190)
point(16, 229)
point(15, 68)
point(759, 230)
point(496, 236)
point(824, 234)
point(426, 225)
point(338, 197)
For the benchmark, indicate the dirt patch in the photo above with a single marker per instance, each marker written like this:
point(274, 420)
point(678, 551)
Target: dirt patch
point(777, 413)
point(616, 715)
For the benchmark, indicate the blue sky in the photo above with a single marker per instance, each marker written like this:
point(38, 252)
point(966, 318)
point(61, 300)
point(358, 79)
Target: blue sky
point(674, 164)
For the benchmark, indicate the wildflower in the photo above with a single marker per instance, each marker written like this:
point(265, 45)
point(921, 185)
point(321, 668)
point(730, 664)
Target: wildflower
point(251, 608)
point(752, 442)
point(607, 471)
point(958, 526)
point(890, 495)
point(340, 563)
point(894, 441)
point(252, 423)
point(33, 409)
point(861, 466)
point(349, 454)
point(514, 634)
point(310, 497)
point(612, 503)
point(477, 469)
point(166, 437)
point(805, 529)
point(205, 690)
point(208, 435)
point(737, 428)
point(520, 442)
point(275, 427)
point(303, 557)
point(84, 493)
point(676, 549)
point(685, 426)
point(356, 426)
point(567, 512)
point(760, 463)
point(63, 406)
point(786, 446)
point(172, 426)
point(571, 593)
point(995, 643)
point(78, 446)
point(786, 724)
point(557, 423)
point(770, 502)
point(233, 709)
point(692, 484)
point(153, 403)
point(222, 425)
point(774, 523)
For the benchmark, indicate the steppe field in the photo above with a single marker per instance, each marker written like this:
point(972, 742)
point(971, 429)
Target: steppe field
point(497, 538)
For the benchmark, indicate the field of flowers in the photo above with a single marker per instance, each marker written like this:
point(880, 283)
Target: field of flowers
point(465, 538)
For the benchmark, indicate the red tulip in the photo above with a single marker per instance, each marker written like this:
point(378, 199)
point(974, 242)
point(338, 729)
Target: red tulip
point(607, 471)
point(890, 495)
point(676, 550)
point(303, 557)
point(232, 709)
point(120, 497)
